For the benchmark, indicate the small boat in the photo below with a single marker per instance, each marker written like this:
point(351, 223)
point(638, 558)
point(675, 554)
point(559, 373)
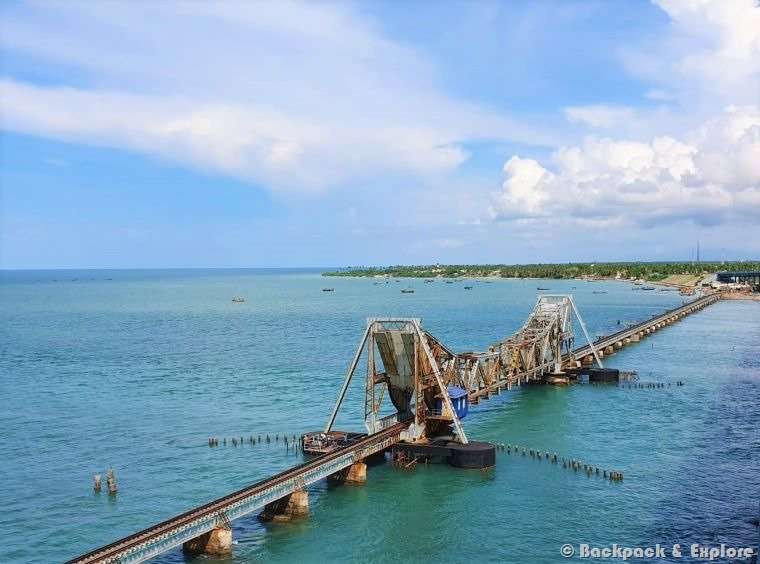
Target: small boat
point(428, 281)
point(599, 292)
point(449, 281)
point(468, 287)
point(328, 289)
point(543, 289)
point(407, 291)
point(318, 443)
point(238, 300)
point(647, 287)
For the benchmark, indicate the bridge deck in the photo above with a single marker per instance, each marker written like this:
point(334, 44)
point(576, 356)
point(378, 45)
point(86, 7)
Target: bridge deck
point(170, 533)
point(630, 331)
point(159, 538)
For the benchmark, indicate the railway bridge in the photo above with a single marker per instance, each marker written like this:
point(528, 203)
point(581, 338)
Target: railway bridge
point(417, 373)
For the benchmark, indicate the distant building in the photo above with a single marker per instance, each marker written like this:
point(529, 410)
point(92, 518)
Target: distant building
point(740, 278)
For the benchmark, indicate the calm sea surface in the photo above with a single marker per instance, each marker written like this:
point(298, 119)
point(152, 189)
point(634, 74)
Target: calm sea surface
point(136, 369)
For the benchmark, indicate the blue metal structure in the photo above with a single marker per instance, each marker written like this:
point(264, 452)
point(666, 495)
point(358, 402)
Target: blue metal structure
point(459, 401)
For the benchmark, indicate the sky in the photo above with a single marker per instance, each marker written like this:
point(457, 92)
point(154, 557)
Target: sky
point(281, 134)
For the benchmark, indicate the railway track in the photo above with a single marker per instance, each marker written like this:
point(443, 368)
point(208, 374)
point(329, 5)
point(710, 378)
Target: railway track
point(629, 331)
point(174, 531)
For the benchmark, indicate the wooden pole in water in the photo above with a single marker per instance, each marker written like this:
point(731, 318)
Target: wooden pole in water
point(111, 482)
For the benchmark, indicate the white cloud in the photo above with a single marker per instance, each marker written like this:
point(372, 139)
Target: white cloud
point(711, 174)
point(682, 159)
point(295, 96)
point(600, 115)
point(710, 54)
point(449, 243)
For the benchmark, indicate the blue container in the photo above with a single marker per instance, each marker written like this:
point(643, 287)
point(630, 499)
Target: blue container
point(459, 400)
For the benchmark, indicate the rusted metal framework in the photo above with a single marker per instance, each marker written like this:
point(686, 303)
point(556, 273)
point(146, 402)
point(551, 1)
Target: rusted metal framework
point(408, 354)
point(416, 369)
point(542, 346)
point(411, 376)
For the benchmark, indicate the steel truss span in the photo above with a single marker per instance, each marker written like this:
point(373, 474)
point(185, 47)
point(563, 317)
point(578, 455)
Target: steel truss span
point(416, 372)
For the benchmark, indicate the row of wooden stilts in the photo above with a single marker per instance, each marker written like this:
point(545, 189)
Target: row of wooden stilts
point(288, 441)
point(649, 385)
point(554, 458)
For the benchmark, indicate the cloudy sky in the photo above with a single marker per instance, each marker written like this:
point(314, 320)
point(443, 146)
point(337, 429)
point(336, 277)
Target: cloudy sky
point(172, 134)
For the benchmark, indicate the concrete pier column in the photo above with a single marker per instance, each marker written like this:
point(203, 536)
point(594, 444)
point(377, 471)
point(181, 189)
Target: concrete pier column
point(217, 542)
point(635, 338)
point(619, 345)
point(357, 473)
point(354, 474)
point(289, 507)
point(627, 341)
point(608, 350)
point(588, 360)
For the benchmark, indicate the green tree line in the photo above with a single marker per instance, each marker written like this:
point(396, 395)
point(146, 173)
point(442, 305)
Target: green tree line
point(641, 270)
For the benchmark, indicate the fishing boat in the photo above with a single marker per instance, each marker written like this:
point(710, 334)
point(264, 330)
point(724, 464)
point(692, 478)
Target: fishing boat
point(407, 291)
point(238, 300)
point(542, 289)
point(647, 287)
point(328, 289)
point(468, 287)
point(599, 292)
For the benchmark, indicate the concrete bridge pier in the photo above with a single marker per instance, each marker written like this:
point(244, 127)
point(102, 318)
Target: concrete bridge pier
point(355, 474)
point(287, 508)
point(217, 542)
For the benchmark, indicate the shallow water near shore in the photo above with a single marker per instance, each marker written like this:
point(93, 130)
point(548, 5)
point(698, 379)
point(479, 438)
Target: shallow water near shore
point(136, 369)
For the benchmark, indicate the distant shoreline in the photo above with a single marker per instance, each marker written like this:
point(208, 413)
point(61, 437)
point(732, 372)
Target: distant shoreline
point(676, 274)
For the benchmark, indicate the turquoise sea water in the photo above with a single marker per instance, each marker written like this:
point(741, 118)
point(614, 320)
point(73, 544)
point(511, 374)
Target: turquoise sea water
point(136, 369)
